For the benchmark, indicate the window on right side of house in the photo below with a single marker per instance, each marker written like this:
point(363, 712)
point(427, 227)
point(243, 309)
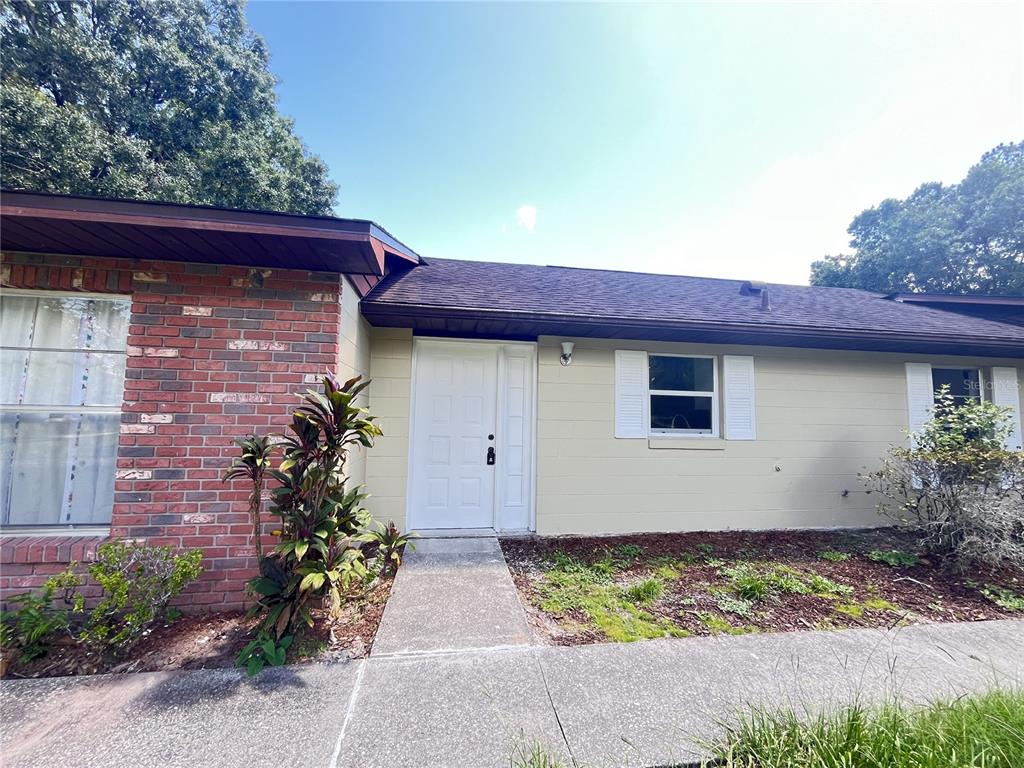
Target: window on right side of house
point(965, 384)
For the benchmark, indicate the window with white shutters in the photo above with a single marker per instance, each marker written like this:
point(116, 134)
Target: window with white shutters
point(662, 395)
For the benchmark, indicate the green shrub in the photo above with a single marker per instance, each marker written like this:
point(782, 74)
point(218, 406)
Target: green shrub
point(252, 465)
point(894, 557)
point(138, 583)
point(957, 489)
point(323, 522)
point(390, 543)
point(26, 630)
point(264, 651)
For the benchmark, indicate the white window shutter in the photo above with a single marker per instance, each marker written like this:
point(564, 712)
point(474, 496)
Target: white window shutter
point(920, 395)
point(1006, 394)
point(740, 418)
point(631, 403)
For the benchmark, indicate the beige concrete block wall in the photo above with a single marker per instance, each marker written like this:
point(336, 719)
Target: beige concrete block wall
point(822, 417)
point(353, 360)
point(387, 464)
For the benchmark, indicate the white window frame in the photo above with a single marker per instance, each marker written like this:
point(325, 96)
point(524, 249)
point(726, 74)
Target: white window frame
point(60, 526)
point(715, 394)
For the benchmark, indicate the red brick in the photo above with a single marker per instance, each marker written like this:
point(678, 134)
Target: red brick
point(201, 393)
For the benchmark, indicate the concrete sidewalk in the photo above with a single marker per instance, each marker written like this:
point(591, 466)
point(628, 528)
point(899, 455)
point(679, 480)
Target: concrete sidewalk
point(643, 704)
point(452, 594)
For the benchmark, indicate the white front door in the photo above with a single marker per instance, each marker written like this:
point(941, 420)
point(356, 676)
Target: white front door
point(471, 435)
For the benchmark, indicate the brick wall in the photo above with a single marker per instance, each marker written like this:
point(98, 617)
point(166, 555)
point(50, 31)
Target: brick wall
point(214, 353)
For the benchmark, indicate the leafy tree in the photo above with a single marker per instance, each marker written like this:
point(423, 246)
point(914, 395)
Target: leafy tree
point(158, 99)
point(963, 238)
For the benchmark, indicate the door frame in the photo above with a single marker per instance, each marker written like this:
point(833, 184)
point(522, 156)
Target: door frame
point(498, 485)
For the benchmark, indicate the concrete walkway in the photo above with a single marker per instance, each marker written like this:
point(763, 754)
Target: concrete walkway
point(452, 594)
point(603, 706)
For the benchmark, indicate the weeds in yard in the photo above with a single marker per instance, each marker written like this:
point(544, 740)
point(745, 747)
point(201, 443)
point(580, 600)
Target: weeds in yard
point(646, 591)
point(666, 572)
point(894, 557)
point(717, 625)
point(731, 604)
point(834, 557)
point(856, 610)
point(825, 587)
point(533, 755)
point(756, 583)
point(984, 731)
point(573, 586)
point(1006, 599)
point(627, 554)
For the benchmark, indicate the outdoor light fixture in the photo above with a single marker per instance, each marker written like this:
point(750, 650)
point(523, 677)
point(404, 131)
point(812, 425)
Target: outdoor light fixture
point(567, 348)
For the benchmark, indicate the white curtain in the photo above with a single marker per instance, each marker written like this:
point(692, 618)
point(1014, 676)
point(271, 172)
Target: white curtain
point(62, 361)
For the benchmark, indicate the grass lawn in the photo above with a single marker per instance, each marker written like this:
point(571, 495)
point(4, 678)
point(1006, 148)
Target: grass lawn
point(586, 590)
point(984, 731)
point(981, 732)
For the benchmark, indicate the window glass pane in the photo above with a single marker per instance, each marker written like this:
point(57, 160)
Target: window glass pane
point(57, 468)
point(680, 412)
point(18, 312)
point(686, 374)
point(61, 378)
point(964, 383)
point(65, 322)
point(13, 369)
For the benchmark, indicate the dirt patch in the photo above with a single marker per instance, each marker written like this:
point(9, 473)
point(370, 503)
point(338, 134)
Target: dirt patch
point(210, 641)
point(586, 590)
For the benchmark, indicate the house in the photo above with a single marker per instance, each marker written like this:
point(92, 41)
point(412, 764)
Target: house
point(139, 339)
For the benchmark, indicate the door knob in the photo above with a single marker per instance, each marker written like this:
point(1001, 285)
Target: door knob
point(490, 456)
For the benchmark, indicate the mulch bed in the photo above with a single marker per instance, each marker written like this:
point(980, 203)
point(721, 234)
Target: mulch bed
point(213, 640)
point(923, 593)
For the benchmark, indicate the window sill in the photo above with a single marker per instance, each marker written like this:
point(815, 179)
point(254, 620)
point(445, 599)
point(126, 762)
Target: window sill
point(53, 530)
point(686, 443)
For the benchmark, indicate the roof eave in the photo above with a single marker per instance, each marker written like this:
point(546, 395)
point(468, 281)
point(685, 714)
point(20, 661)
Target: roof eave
point(42, 223)
point(428, 318)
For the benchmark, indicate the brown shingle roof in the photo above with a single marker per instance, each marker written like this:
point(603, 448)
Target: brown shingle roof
point(488, 288)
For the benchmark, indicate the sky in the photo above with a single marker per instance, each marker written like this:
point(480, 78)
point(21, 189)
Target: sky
point(721, 140)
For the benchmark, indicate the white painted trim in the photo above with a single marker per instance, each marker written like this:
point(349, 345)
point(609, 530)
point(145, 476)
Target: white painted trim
point(919, 403)
point(533, 442)
point(68, 292)
point(530, 444)
point(1006, 394)
point(69, 529)
point(631, 401)
point(739, 397)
